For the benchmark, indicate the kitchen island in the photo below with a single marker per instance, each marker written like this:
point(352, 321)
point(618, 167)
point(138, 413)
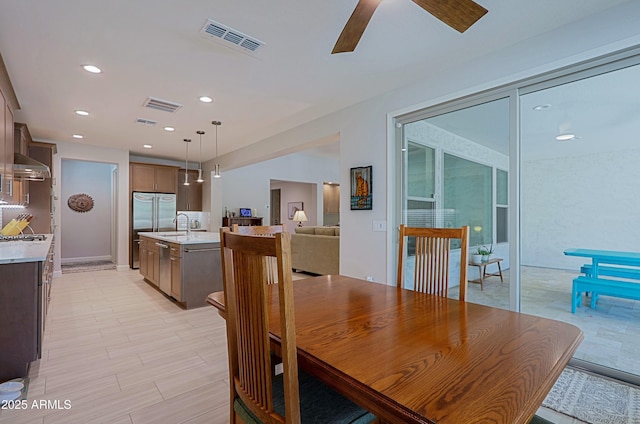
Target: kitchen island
point(184, 266)
point(26, 269)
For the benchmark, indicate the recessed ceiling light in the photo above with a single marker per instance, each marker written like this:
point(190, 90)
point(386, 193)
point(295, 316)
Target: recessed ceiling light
point(566, 137)
point(92, 68)
point(78, 136)
point(206, 99)
point(169, 129)
point(82, 112)
point(542, 107)
point(147, 146)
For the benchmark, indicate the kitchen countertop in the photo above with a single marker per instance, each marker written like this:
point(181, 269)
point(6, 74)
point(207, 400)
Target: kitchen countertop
point(24, 251)
point(181, 237)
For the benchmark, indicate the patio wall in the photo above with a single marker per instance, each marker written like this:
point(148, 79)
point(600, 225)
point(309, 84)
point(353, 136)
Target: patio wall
point(583, 201)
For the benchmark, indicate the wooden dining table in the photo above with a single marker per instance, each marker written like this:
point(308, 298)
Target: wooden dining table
point(410, 357)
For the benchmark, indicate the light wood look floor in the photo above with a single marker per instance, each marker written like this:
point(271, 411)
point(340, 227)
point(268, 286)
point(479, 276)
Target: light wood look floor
point(122, 353)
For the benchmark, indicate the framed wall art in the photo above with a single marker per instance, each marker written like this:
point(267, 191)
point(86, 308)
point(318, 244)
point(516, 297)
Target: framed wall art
point(294, 207)
point(361, 188)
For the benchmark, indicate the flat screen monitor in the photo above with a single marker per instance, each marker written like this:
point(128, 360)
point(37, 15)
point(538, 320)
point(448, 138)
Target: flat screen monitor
point(245, 212)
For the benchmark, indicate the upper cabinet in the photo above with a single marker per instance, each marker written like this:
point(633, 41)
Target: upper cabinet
point(153, 178)
point(6, 143)
point(189, 197)
point(3, 105)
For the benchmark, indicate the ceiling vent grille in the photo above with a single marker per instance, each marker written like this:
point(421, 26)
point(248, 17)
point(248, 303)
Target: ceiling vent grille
point(216, 30)
point(164, 105)
point(144, 121)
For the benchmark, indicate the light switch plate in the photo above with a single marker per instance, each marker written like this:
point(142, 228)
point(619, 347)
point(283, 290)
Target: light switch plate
point(379, 225)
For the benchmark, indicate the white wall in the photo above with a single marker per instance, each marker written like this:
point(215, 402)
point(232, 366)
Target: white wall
point(250, 186)
point(86, 235)
point(364, 131)
point(119, 158)
point(580, 201)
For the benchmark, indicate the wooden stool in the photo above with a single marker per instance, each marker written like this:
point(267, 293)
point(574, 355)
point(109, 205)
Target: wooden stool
point(482, 268)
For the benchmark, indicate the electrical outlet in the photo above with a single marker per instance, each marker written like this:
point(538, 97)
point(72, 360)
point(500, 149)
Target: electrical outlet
point(369, 277)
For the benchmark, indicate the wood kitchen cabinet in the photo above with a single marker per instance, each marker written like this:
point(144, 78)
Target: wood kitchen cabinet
point(3, 105)
point(24, 297)
point(153, 178)
point(189, 197)
point(6, 144)
point(149, 260)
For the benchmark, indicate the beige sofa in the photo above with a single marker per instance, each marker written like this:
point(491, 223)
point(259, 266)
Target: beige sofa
point(316, 250)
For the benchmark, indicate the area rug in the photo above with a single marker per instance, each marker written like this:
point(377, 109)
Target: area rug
point(593, 399)
point(87, 266)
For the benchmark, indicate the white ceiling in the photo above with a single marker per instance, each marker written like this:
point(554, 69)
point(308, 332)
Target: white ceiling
point(154, 48)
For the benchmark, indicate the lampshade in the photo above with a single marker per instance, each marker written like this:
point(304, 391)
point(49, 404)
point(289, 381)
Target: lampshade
point(300, 217)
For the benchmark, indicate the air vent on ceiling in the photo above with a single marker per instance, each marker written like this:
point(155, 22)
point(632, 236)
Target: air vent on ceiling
point(217, 30)
point(164, 105)
point(146, 121)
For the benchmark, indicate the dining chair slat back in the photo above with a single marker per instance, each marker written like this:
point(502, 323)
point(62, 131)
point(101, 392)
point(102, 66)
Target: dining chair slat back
point(432, 255)
point(257, 394)
point(265, 231)
point(251, 376)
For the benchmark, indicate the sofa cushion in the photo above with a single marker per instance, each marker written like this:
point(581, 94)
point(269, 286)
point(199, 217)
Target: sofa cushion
point(305, 230)
point(325, 231)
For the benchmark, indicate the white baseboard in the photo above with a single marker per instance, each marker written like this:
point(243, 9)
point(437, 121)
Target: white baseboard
point(122, 267)
point(65, 261)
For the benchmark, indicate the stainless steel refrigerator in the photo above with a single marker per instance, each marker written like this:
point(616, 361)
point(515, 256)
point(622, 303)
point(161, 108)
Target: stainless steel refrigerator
point(151, 212)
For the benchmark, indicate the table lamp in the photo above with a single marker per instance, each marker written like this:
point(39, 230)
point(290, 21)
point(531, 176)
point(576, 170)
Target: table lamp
point(300, 217)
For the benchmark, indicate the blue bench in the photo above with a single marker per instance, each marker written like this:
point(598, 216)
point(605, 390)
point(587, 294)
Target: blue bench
point(626, 266)
point(612, 271)
point(605, 286)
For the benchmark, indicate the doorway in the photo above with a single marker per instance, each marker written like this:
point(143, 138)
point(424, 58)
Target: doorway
point(87, 235)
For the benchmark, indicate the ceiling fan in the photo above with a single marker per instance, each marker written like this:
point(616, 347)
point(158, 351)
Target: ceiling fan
point(458, 14)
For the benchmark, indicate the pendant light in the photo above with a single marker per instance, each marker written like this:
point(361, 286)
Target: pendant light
point(216, 171)
point(186, 163)
point(200, 179)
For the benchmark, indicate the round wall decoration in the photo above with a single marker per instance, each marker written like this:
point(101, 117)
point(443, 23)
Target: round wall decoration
point(80, 202)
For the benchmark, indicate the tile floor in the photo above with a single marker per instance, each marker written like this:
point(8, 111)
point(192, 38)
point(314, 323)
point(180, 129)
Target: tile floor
point(121, 352)
point(611, 330)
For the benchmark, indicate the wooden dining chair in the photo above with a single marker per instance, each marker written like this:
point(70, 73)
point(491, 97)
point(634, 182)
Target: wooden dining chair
point(256, 394)
point(432, 257)
point(265, 231)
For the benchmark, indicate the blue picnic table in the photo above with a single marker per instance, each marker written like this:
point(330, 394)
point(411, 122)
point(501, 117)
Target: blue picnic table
point(606, 263)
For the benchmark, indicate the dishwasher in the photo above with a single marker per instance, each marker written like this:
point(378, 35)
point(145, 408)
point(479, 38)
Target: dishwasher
point(164, 274)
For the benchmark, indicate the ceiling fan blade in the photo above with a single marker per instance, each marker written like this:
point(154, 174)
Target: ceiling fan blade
point(458, 14)
point(357, 23)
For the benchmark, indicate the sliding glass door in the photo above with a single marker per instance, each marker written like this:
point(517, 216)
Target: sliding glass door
point(455, 168)
point(534, 169)
point(580, 177)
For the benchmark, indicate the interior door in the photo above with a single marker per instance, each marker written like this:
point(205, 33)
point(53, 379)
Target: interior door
point(275, 207)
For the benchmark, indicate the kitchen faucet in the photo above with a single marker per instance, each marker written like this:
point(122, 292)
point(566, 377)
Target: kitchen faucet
point(188, 221)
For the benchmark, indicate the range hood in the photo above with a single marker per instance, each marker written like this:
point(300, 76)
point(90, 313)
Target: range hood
point(26, 168)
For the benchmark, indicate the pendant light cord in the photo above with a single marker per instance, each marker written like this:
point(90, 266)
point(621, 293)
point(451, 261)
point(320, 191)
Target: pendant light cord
point(217, 165)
